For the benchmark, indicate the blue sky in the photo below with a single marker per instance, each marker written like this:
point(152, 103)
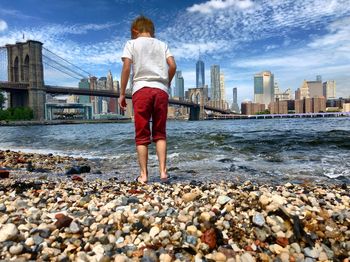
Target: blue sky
point(295, 39)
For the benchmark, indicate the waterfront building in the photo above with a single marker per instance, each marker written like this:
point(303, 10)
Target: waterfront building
point(329, 89)
point(264, 88)
point(250, 108)
point(278, 107)
point(346, 107)
point(179, 90)
point(310, 105)
point(84, 84)
point(235, 107)
point(200, 74)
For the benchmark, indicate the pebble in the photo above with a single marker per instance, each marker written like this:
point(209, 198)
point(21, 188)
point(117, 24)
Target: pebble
point(8, 232)
point(258, 219)
point(119, 221)
point(188, 197)
point(154, 231)
point(16, 249)
point(222, 200)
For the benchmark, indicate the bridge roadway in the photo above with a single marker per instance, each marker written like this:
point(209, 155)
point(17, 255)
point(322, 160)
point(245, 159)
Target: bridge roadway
point(8, 86)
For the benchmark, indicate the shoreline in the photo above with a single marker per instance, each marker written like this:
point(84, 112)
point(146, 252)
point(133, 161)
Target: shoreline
point(63, 122)
point(70, 218)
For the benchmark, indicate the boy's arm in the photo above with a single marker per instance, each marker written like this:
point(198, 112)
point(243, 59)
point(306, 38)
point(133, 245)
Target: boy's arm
point(124, 78)
point(171, 68)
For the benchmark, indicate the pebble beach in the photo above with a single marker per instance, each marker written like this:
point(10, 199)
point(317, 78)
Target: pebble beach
point(72, 218)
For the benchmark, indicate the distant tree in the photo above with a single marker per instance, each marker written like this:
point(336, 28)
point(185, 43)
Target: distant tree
point(265, 112)
point(2, 100)
point(18, 113)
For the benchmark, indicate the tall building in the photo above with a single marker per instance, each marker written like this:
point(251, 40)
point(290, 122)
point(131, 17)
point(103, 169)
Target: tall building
point(116, 88)
point(84, 84)
point(94, 99)
point(329, 89)
point(111, 101)
point(315, 88)
point(215, 83)
point(179, 89)
point(264, 88)
point(222, 87)
point(235, 107)
point(101, 85)
point(200, 77)
point(302, 92)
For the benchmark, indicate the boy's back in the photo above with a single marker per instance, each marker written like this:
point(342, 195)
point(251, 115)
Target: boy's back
point(150, 68)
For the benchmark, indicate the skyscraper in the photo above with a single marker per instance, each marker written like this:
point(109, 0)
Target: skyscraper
point(179, 90)
point(329, 89)
point(215, 83)
point(101, 85)
point(222, 87)
point(84, 84)
point(264, 88)
point(235, 107)
point(200, 77)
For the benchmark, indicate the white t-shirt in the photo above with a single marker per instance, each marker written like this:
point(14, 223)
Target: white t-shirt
point(148, 56)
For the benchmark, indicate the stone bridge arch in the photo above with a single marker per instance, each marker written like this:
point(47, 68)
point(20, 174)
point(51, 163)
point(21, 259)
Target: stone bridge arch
point(198, 96)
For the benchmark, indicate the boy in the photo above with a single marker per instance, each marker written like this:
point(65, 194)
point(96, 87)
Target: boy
point(153, 69)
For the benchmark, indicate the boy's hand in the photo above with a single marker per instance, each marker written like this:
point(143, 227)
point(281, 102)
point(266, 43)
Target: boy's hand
point(122, 102)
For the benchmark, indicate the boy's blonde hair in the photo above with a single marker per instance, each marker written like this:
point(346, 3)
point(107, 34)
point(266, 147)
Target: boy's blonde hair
point(142, 24)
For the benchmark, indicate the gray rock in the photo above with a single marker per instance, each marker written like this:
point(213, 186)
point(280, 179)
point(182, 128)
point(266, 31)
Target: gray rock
point(260, 234)
point(222, 200)
point(16, 249)
point(258, 219)
point(133, 200)
point(74, 227)
point(37, 239)
point(2, 208)
point(329, 252)
point(311, 253)
point(8, 232)
point(191, 240)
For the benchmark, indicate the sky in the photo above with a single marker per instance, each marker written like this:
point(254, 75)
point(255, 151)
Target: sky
point(294, 39)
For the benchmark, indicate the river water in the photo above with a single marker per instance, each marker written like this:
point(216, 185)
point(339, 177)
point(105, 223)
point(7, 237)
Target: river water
point(269, 150)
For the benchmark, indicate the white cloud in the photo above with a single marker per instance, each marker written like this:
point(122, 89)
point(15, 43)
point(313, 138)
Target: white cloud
point(213, 5)
point(3, 25)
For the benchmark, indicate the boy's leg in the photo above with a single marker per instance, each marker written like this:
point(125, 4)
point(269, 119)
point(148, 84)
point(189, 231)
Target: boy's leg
point(159, 116)
point(142, 103)
point(161, 153)
point(142, 153)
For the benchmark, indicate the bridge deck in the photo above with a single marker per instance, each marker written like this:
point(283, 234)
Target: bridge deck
point(8, 86)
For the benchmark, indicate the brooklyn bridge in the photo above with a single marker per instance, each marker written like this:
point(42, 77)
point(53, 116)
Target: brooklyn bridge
point(25, 81)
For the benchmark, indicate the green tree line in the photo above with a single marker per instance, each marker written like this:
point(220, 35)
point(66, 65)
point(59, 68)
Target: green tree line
point(17, 113)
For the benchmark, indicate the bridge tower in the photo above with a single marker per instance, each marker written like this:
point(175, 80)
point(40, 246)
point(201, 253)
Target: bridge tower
point(198, 96)
point(25, 65)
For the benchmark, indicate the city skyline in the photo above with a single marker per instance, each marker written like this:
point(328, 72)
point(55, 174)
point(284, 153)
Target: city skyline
point(296, 40)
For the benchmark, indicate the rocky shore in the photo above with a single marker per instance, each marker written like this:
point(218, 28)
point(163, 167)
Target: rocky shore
point(106, 220)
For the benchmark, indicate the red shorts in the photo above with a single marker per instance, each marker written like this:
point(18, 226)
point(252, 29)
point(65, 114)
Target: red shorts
point(150, 103)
